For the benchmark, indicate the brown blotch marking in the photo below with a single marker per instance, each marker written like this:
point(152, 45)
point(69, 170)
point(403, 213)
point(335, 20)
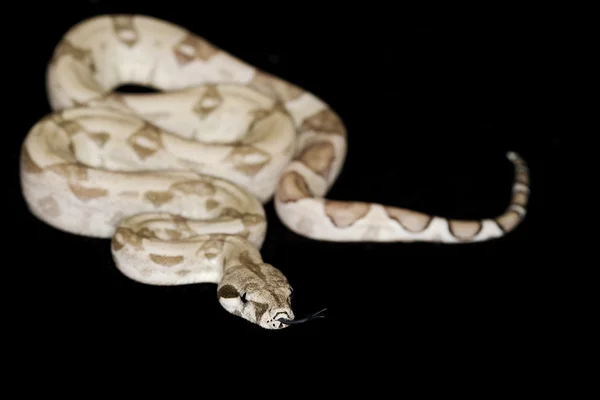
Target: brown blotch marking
point(181, 224)
point(276, 277)
point(259, 310)
point(198, 187)
point(252, 219)
point(71, 127)
point(324, 121)
point(520, 198)
point(100, 138)
point(239, 155)
point(211, 248)
point(27, 162)
point(273, 86)
point(228, 213)
point(64, 170)
point(464, 229)
point(86, 194)
point(211, 100)
point(278, 299)
point(509, 220)
point(263, 82)
point(287, 91)
point(159, 198)
point(522, 176)
point(249, 263)
point(178, 219)
point(345, 213)
point(56, 117)
point(125, 236)
point(174, 234)
point(116, 245)
point(412, 221)
point(66, 48)
point(125, 30)
point(73, 172)
point(183, 272)
point(278, 106)
point(211, 204)
point(147, 233)
point(77, 103)
point(166, 261)
point(250, 169)
point(260, 113)
point(86, 79)
point(193, 48)
point(49, 206)
point(228, 292)
point(318, 157)
point(147, 135)
point(292, 187)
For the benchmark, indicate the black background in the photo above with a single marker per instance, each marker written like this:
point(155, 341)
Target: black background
point(431, 106)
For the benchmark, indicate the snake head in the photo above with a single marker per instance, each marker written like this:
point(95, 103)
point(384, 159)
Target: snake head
point(257, 292)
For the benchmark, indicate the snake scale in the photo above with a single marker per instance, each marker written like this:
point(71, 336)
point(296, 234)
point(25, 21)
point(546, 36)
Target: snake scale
point(177, 179)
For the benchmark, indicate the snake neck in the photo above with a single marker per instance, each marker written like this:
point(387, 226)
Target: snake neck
point(163, 249)
point(247, 286)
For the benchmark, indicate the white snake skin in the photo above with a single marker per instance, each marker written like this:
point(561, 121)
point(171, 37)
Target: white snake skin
point(178, 179)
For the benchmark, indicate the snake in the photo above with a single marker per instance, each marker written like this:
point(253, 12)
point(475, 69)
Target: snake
point(178, 178)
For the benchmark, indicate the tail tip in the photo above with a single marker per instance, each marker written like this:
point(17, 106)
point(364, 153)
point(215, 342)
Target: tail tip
point(512, 156)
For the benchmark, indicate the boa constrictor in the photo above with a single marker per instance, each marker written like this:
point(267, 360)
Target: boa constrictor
point(178, 178)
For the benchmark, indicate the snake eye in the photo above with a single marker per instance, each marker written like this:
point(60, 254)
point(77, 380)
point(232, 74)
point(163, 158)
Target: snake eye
point(243, 297)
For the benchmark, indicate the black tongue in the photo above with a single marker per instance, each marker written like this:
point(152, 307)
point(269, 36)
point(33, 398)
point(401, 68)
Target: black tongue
point(318, 314)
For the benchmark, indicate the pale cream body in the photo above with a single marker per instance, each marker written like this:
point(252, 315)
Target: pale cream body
point(178, 178)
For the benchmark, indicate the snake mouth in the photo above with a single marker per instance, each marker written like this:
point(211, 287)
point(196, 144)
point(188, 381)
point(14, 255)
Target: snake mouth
point(318, 314)
point(281, 315)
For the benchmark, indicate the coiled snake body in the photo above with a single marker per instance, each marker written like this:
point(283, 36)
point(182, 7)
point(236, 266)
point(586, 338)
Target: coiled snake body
point(178, 178)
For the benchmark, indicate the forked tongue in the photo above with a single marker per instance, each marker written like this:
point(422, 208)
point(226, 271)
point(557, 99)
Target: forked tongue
point(310, 317)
